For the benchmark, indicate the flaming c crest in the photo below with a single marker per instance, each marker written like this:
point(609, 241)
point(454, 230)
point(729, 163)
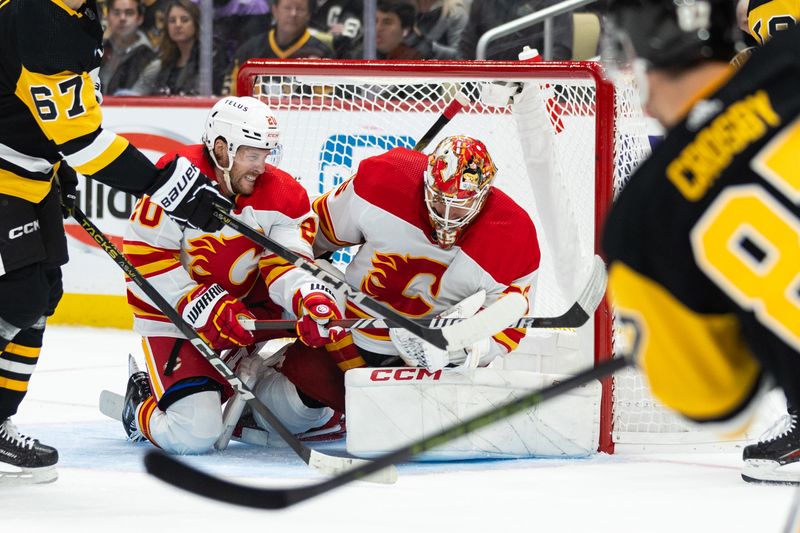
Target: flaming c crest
point(392, 275)
point(230, 261)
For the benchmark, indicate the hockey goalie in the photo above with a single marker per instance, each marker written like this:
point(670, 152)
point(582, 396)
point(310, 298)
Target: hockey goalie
point(437, 238)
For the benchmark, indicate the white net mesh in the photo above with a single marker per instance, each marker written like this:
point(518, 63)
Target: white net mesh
point(330, 120)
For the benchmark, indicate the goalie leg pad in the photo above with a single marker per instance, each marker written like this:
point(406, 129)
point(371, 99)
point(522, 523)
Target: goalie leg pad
point(390, 407)
point(275, 390)
point(190, 425)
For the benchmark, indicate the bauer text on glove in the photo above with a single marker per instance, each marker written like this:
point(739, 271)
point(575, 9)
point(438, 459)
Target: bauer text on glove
point(188, 196)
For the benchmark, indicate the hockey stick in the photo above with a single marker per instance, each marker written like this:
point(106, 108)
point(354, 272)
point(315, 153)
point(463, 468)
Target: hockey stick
point(326, 463)
point(181, 475)
point(448, 338)
point(574, 317)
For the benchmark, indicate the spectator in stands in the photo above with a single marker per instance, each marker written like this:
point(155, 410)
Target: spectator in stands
point(176, 71)
point(235, 21)
point(290, 37)
point(487, 14)
point(127, 50)
point(340, 22)
point(154, 24)
point(395, 36)
point(442, 22)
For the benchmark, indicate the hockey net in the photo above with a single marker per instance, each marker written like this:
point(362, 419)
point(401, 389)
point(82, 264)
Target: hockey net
point(562, 149)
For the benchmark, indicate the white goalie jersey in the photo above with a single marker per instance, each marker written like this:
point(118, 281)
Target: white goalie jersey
point(398, 263)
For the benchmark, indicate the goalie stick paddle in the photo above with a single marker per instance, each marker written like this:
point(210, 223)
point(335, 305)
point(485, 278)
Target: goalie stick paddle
point(329, 464)
point(181, 475)
point(574, 317)
point(439, 337)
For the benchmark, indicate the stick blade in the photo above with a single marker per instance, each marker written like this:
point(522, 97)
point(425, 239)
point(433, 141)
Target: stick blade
point(176, 473)
point(595, 289)
point(333, 466)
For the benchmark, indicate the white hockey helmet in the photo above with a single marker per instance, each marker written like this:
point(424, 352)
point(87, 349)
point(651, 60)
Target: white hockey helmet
point(241, 121)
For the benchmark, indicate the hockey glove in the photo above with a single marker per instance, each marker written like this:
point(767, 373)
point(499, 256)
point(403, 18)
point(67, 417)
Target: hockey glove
point(318, 307)
point(188, 196)
point(214, 314)
point(68, 185)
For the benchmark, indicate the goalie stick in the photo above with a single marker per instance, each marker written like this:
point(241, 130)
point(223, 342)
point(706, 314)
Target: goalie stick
point(451, 337)
point(181, 475)
point(574, 317)
point(329, 464)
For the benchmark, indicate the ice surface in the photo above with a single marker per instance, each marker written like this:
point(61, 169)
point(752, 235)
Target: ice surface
point(103, 486)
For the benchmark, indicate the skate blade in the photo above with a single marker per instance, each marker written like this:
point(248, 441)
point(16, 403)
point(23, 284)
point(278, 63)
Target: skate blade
point(27, 476)
point(770, 472)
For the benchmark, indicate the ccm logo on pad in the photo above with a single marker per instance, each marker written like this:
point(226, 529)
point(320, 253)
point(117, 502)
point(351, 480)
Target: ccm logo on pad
point(25, 229)
point(404, 374)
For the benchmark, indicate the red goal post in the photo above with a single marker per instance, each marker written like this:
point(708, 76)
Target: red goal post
point(578, 129)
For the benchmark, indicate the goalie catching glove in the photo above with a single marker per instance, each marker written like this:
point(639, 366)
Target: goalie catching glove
point(188, 196)
point(318, 307)
point(215, 314)
point(417, 352)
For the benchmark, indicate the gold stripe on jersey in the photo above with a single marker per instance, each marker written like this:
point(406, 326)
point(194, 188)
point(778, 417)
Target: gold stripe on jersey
point(63, 104)
point(30, 190)
point(272, 267)
point(66, 8)
point(702, 161)
point(711, 380)
point(151, 261)
point(104, 149)
point(283, 54)
point(320, 207)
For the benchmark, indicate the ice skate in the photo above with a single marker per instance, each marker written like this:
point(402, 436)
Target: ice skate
point(138, 391)
point(765, 461)
point(24, 460)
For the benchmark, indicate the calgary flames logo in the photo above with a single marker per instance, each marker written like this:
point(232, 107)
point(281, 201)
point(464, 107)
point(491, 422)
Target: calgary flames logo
point(398, 280)
point(230, 261)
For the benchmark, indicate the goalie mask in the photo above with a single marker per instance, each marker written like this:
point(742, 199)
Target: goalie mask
point(457, 182)
point(241, 121)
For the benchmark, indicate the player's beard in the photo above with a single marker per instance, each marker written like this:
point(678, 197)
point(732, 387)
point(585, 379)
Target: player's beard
point(243, 185)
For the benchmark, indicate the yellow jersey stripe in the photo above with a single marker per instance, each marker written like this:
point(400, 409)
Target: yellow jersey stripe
point(13, 384)
point(29, 190)
point(23, 351)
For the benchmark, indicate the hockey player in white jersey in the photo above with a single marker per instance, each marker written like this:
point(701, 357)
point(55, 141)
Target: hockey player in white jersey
point(212, 279)
point(433, 231)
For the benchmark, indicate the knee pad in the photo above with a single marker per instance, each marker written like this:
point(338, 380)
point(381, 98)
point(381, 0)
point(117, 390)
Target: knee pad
point(277, 392)
point(190, 425)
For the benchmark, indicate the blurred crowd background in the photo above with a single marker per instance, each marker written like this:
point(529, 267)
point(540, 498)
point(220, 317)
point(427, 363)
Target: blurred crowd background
point(153, 47)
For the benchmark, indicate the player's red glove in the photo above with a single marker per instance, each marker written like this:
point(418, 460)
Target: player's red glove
point(318, 308)
point(214, 314)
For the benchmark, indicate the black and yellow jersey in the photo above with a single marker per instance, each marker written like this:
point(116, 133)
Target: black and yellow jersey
point(48, 107)
point(767, 17)
point(703, 244)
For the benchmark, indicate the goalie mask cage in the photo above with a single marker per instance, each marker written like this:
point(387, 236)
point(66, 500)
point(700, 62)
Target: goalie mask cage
point(562, 149)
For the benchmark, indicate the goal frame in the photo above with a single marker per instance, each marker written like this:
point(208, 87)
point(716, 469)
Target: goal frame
point(604, 144)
